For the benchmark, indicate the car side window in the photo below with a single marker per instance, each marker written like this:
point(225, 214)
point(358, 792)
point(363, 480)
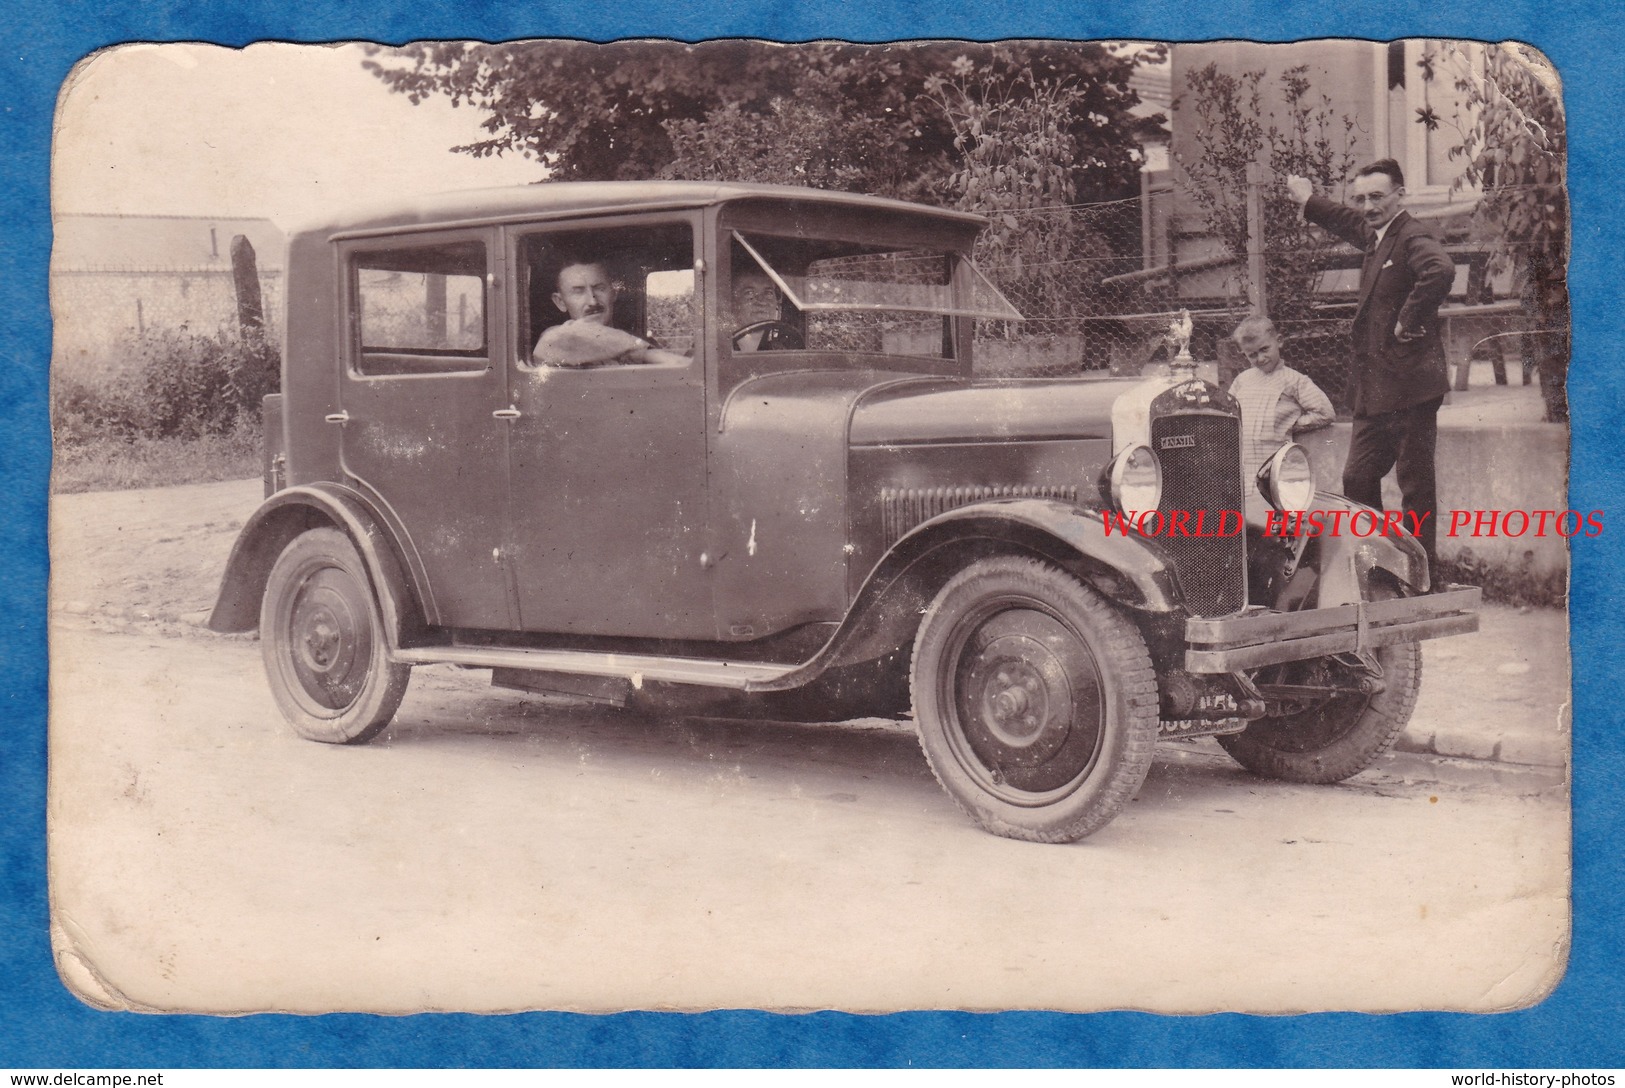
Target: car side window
point(672, 313)
point(421, 309)
point(609, 296)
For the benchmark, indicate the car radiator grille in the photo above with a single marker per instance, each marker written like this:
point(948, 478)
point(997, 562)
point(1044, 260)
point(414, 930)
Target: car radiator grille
point(1205, 475)
point(904, 508)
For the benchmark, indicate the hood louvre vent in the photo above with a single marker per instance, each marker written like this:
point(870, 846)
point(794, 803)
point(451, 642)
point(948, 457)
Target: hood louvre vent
point(904, 508)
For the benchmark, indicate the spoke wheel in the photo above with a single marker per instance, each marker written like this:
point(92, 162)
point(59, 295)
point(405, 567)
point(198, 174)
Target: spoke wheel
point(1035, 700)
point(323, 642)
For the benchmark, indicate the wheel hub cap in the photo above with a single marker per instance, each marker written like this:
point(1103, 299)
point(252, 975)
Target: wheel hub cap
point(330, 638)
point(1028, 696)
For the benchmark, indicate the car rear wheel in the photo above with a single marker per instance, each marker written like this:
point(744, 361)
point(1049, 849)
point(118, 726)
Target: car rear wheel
point(1035, 700)
point(323, 642)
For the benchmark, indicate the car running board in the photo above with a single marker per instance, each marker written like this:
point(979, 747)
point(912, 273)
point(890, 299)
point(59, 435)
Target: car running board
point(637, 668)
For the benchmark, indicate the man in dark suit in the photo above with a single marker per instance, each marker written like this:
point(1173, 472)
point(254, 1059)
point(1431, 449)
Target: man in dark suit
point(1398, 378)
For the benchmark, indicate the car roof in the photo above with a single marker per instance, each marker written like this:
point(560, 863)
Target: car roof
point(553, 198)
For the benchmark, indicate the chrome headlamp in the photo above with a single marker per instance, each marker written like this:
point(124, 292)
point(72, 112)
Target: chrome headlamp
point(1133, 480)
point(1287, 479)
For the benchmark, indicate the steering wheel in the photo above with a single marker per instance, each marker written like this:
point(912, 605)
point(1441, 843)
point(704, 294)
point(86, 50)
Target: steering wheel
point(778, 335)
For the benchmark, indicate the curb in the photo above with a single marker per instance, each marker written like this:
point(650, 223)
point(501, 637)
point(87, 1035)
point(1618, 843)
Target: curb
point(1516, 749)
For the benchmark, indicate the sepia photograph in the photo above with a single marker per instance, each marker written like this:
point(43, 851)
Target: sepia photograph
point(935, 525)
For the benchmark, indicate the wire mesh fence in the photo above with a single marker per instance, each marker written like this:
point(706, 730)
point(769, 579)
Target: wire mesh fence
point(1106, 301)
point(1082, 289)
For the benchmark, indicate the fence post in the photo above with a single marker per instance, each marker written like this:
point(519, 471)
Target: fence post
point(1255, 240)
point(246, 279)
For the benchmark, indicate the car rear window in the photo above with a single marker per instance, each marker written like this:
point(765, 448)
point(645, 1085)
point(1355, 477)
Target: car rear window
point(421, 309)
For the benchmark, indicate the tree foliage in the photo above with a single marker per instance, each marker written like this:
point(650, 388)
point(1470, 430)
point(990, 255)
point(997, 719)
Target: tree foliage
point(1015, 151)
point(1233, 130)
point(1513, 142)
point(829, 113)
point(815, 138)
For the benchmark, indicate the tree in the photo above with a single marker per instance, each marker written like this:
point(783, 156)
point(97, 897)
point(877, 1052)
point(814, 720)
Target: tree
point(857, 115)
point(1233, 130)
point(1015, 153)
point(815, 138)
point(1514, 144)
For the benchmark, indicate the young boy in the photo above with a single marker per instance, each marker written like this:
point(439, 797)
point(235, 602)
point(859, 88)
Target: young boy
point(1276, 401)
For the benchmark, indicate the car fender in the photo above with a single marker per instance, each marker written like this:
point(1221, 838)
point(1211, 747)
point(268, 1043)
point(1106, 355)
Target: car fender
point(1129, 570)
point(1347, 561)
point(284, 516)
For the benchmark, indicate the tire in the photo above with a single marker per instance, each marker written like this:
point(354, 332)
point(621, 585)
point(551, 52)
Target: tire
point(323, 642)
point(1341, 737)
point(1035, 700)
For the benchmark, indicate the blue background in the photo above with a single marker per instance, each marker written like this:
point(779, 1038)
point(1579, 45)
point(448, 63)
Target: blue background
point(41, 1025)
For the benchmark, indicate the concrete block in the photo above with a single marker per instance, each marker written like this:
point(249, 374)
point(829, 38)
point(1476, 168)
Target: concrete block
point(1536, 750)
point(1414, 740)
point(1463, 744)
point(1511, 466)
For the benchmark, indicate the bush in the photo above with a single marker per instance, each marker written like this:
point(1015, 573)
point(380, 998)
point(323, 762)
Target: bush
point(1505, 583)
point(85, 411)
point(157, 462)
point(182, 385)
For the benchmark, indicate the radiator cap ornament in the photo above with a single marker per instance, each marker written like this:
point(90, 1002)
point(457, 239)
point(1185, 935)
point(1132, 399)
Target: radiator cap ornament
point(1179, 339)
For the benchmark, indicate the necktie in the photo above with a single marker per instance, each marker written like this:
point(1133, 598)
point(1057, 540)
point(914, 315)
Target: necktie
point(1366, 264)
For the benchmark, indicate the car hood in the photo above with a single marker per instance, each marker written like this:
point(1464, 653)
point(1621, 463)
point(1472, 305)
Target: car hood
point(932, 411)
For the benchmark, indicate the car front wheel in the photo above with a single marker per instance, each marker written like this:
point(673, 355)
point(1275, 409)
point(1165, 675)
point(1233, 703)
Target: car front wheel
point(1035, 700)
point(1340, 736)
point(1337, 735)
point(323, 642)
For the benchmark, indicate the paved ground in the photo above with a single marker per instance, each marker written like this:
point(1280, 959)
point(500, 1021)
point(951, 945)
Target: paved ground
point(1485, 403)
point(1500, 694)
point(489, 852)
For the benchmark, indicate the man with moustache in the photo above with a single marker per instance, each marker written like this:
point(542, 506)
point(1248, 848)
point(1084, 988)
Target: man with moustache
point(585, 293)
point(1397, 378)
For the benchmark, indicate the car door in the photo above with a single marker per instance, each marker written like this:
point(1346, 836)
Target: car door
point(608, 461)
point(418, 393)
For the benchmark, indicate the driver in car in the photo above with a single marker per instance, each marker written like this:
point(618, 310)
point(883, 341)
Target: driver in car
point(758, 310)
point(586, 293)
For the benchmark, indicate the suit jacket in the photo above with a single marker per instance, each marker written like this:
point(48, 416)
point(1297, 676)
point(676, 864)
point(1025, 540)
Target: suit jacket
point(1403, 281)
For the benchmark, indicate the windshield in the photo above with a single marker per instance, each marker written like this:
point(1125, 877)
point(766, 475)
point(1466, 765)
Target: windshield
point(822, 276)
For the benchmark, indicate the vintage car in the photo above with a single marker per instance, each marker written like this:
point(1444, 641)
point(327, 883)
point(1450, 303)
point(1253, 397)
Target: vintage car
point(819, 511)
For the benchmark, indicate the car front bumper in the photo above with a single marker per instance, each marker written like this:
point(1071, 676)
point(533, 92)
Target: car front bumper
point(1260, 637)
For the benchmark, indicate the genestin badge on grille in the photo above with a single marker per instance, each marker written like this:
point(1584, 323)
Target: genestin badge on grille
point(1178, 442)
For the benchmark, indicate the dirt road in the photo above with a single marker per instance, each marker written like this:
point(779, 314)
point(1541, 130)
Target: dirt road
point(492, 853)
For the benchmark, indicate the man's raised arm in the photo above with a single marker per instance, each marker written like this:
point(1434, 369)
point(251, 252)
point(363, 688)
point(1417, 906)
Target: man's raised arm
point(1342, 221)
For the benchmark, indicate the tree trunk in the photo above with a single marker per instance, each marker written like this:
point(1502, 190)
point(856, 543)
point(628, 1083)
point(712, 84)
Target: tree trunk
point(1546, 347)
point(245, 277)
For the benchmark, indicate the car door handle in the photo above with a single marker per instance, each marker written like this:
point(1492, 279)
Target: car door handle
point(510, 412)
point(338, 417)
